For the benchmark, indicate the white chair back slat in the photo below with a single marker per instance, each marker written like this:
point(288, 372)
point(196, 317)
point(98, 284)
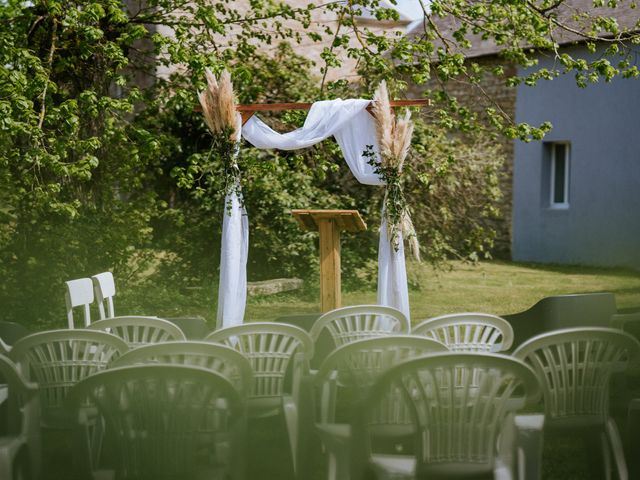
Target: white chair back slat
point(79, 294)
point(168, 421)
point(58, 359)
point(574, 366)
point(468, 332)
point(215, 357)
point(269, 347)
point(359, 322)
point(105, 289)
point(458, 403)
point(138, 331)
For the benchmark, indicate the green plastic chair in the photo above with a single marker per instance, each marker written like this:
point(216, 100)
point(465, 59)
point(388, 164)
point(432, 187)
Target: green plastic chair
point(221, 359)
point(20, 441)
point(358, 322)
point(468, 332)
point(461, 406)
point(137, 331)
point(169, 421)
point(350, 371)
point(574, 366)
point(270, 347)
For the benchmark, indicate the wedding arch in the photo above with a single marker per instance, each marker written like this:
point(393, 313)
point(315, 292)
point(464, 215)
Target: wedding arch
point(374, 143)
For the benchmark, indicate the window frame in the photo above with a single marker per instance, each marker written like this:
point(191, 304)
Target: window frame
point(552, 184)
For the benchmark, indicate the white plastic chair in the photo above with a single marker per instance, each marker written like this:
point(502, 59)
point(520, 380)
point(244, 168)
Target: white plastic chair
point(58, 359)
point(104, 289)
point(79, 294)
point(20, 441)
point(349, 372)
point(221, 359)
point(461, 406)
point(574, 366)
point(358, 322)
point(4, 348)
point(137, 331)
point(167, 421)
point(270, 347)
point(468, 332)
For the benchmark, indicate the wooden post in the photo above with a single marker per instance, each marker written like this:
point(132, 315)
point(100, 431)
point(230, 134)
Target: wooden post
point(330, 279)
point(329, 223)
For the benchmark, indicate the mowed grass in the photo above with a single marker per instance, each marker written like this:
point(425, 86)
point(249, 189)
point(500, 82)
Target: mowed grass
point(491, 287)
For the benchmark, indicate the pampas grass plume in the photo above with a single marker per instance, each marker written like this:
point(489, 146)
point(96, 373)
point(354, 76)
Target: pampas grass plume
point(226, 103)
point(402, 139)
point(218, 104)
point(384, 120)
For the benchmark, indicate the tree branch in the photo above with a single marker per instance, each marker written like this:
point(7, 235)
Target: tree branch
point(54, 37)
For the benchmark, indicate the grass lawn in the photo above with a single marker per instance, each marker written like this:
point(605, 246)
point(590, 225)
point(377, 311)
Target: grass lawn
point(491, 287)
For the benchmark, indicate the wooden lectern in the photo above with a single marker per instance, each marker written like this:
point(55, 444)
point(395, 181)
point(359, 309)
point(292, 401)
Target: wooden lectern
point(329, 223)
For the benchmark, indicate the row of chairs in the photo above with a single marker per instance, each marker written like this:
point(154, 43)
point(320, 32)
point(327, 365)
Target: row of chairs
point(254, 359)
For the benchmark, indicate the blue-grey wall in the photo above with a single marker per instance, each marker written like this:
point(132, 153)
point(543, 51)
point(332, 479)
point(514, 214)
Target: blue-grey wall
point(602, 123)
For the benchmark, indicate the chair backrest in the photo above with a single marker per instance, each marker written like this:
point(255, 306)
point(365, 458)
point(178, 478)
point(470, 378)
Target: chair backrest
point(563, 311)
point(219, 358)
point(574, 366)
point(19, 394)
point(356, 366)
point(359, 322)
point(468, 332)
point(166, 419)
point(137, 331)
point(59, 359)
point(269, 347)
point(79, 294)
point(104, 288)
point(459, 402)
point(11, 332)
point(359, 364)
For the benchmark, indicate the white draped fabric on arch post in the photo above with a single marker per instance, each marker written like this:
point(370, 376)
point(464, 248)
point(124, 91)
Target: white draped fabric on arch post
point(353, 128)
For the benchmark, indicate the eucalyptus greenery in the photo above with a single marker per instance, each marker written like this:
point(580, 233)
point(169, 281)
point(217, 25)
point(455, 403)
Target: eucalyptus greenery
point(395, 208)
point(228, 151)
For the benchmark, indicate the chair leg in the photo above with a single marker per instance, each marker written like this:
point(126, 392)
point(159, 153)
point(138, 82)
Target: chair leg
point(617, 449)
point(530, 432)
point(606, 456)
point(291, 418)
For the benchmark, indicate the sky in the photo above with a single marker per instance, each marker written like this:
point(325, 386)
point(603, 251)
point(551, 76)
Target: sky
point(411, 8)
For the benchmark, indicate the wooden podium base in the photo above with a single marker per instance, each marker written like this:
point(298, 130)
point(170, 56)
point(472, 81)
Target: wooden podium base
point(329, 223)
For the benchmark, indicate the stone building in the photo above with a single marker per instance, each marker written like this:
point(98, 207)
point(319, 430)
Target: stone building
point(572, 198)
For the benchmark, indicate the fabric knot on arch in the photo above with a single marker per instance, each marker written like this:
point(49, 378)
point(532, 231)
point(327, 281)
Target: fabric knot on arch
point(374, 145)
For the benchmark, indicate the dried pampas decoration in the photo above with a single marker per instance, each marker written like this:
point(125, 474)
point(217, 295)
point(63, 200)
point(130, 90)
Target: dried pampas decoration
point(394, 139)
point(219, 110)
point(219, 106)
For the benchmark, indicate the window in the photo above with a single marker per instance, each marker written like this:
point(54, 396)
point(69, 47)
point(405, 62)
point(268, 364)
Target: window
point(559, 186)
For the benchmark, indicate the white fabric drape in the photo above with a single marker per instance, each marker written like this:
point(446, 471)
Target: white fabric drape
point(392, 272)
point(232, 291)
point(354, 129)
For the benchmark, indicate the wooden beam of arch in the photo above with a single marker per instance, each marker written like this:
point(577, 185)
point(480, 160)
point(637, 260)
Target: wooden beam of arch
point(248, 110)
